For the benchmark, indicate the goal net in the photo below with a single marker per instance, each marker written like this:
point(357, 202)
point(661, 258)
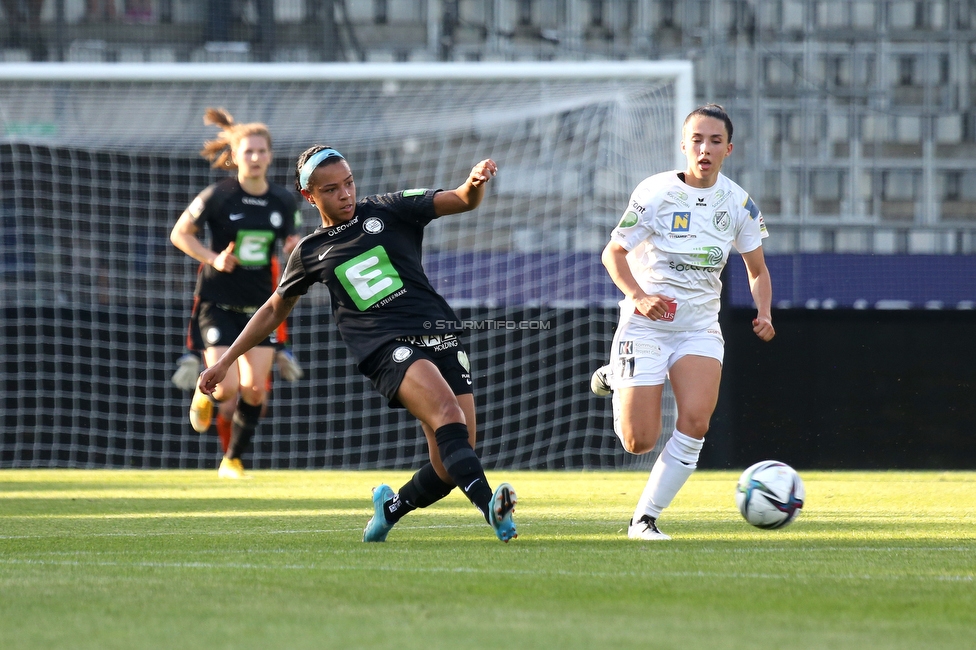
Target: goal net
point(99, 161)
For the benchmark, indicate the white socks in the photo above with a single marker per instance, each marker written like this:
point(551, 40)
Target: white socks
point(677, 461)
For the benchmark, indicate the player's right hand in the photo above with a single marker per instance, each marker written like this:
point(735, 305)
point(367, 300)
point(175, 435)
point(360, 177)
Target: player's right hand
point(210, 377)
point(225, 262)
point(654, 306)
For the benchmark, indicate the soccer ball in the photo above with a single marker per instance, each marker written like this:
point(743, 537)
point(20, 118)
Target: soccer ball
point(770, 494)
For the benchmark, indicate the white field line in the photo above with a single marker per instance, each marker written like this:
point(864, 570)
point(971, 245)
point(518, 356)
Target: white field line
point(234, 533)
point(493, 570)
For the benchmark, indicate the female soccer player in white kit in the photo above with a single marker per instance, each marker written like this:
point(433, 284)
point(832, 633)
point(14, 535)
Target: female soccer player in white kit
point(666, 255)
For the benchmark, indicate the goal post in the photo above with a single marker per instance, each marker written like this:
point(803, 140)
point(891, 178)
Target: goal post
point(98, 161)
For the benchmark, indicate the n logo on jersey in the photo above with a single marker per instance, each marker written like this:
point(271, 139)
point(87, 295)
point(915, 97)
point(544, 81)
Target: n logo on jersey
point(369, 277)
point(253, 247)
point(680, 221)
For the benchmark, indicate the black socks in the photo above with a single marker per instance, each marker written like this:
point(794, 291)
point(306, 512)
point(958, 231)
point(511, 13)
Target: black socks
point(244, 423)
point(463, 464)
point(423, 489)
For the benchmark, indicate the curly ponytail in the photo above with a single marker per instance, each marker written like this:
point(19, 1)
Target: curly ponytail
point(219, 151)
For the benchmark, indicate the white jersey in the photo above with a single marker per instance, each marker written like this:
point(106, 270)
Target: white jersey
point(678, 239)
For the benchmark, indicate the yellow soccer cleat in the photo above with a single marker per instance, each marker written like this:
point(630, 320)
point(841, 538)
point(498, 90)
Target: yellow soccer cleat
point(231, 468)
point(201, 412)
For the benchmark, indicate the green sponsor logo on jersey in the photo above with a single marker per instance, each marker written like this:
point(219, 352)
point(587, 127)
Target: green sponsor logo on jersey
point(369, 277)
point(253, 247)
point(710, 255)
point(629, 219)
point(413, 192)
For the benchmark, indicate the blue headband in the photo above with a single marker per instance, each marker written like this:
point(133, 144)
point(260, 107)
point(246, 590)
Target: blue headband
point(314, 162)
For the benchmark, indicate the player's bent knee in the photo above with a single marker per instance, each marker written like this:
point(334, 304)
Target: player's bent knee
point(222, 394)
point(445, 413)
point(693, 427)
point(639, 441)
point(253, 394)
point(638, 447)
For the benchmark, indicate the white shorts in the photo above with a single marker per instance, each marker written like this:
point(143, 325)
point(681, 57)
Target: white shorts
point(642, 355)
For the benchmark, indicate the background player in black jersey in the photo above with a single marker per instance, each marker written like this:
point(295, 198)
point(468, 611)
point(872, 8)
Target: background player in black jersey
point(402, 333)
point(248, 218)
point(189, 364)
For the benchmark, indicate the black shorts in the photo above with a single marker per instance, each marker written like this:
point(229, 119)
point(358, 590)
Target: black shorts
point(387, 366)
point(220, 325)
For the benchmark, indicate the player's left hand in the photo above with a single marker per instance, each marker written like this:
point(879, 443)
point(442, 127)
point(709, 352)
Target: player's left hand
point(482, 172)
point(763, 327)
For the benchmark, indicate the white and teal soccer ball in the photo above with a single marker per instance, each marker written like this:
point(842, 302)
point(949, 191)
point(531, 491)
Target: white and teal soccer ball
point(770, 494)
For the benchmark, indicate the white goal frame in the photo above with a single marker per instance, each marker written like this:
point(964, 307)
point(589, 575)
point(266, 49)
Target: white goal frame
point(681, 71)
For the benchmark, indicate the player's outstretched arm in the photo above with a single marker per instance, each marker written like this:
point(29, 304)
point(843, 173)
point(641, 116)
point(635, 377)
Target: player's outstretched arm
point(468, 195)
point(762, 293)
point(262, 323)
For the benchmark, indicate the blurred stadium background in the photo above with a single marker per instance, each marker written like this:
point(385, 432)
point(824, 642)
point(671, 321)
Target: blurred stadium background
point(855, 134)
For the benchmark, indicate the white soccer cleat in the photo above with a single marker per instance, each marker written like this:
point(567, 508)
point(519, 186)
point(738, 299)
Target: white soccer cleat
point(600, 382)
point(645, 529)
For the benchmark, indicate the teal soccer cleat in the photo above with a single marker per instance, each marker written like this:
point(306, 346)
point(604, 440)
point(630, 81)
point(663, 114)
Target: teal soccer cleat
point(377, 528)
point(500, 510)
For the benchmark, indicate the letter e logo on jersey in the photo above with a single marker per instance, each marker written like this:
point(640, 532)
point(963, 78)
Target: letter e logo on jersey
point(680, 221)
point(369, 277)
point(253, 247)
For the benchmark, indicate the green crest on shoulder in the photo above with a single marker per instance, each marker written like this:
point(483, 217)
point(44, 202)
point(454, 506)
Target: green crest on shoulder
point(629, 219)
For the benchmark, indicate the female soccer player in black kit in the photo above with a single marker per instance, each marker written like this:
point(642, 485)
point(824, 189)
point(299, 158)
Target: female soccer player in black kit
point(401, 331)
point(248, 218)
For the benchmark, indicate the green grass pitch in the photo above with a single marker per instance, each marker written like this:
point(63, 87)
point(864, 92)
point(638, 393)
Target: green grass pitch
point(180, 559)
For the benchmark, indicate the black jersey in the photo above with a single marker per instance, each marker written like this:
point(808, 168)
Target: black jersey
point(256, 225)
point(372, 267)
